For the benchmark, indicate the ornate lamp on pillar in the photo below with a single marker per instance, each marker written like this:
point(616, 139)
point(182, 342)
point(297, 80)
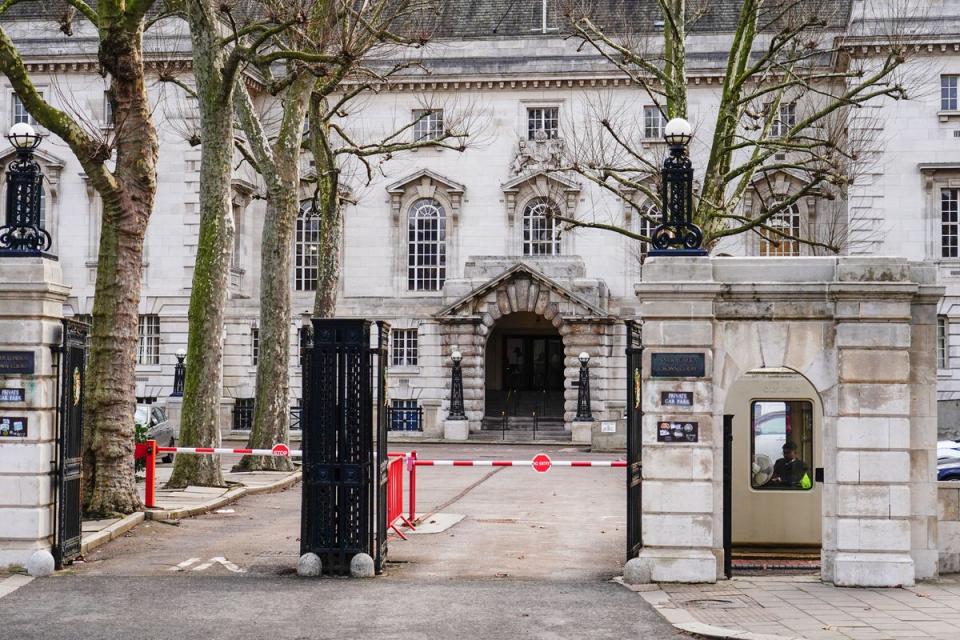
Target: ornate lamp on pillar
point(584, 414)
point(179, 371)
point(456, 389)
point(456, 426)
point(22, 234)
point(677, 235)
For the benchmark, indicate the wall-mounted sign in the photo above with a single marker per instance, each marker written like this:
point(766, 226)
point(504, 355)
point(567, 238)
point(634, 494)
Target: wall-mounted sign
point(16, 362)
point(608, 427)
point(678, 432)
point(678, 365)
point(11, 395)
point(676, 398)
point(13, 427)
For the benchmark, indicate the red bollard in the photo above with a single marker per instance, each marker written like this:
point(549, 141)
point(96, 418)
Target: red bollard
point(148, 450)
point(412, 466)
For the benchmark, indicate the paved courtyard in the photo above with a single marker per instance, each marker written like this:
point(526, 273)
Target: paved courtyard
point(532, 556)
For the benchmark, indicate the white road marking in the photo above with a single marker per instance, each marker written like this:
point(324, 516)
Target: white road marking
point(13, 583)
point(183, 565)
point(221, 560)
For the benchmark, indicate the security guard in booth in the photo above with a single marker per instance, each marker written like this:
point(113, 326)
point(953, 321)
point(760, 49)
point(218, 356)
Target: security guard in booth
point(790, 471)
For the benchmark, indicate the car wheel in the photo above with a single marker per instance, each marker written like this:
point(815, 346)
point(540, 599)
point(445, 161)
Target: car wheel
point(169, 457)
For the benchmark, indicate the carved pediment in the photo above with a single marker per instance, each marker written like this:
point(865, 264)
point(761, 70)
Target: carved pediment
point(497, 291)
point(425, 184)
point(556, 187)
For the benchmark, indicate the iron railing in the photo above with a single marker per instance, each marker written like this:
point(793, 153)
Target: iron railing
point(243, 415)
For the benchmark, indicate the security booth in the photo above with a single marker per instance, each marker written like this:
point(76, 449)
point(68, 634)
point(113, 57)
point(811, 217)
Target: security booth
point(808, 415)
point(344, 424)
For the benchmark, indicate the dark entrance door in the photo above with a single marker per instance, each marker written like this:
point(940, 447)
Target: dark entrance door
point(533, 375)
point(634, 456)
point(73, 355)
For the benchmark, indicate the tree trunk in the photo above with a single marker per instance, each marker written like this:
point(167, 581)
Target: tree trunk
point(271, 407)
point(200, 422)
point(329, 210)
point(109, 480)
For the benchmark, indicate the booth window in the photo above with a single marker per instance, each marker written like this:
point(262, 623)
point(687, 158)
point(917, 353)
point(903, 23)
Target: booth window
point(782, 445)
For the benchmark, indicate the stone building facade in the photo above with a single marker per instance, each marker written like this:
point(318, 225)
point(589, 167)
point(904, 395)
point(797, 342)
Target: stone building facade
point(518, 296)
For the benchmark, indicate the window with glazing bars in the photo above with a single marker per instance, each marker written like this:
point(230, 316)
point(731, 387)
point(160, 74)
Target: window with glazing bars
point(307, 249)
point(541, 233)
point(254, 345)
point(426, 246)
point(20, 113)
point(948, 92)
point(949, 210)
point(148, 340)
point(943, 357)
point(780, 239)
point(427, 124)
point(243, 414)
point(546, 119)
point(653, 122)
point(786, 120)
point(405, 416)
point(403, 347)
point(646, 223)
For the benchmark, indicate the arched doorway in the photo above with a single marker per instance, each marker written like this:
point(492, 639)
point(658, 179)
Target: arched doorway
point(775, 469)
point(524, 369)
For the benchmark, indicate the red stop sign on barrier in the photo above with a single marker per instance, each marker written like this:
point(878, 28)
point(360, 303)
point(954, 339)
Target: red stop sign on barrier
point(541, 463)
point(280, 450)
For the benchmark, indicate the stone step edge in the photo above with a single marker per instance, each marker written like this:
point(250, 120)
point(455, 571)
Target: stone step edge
point(229, 497)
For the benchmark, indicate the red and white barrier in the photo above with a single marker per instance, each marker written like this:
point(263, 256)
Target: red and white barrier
point(278, 450)
point(519, 463)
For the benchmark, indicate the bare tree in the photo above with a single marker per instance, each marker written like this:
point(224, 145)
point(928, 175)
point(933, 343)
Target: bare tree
point(127, 192)
point(789, 87)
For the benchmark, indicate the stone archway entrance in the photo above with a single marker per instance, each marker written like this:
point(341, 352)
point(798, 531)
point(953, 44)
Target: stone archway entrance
point(524, 367)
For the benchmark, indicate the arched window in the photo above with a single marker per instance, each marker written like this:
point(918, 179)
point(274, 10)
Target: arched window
point(426, 246)
point(646, 223)
point(782, 241)
point(307, 248)
point(541, 233)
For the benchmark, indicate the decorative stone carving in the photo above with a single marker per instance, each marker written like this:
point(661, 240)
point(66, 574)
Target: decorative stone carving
point(425, 184)
point(540, 154)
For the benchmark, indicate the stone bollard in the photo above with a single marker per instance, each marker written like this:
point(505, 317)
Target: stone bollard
point(40, 564)
point(361, 566)
point(636, 571)
point(309, 565)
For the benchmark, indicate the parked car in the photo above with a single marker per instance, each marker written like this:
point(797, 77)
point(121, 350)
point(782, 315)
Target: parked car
point(948, 460)
point(158, 427)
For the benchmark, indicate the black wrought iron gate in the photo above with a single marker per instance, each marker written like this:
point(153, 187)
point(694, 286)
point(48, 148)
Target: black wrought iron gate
point(72, 365)
point(344, 443)
point(634, 434)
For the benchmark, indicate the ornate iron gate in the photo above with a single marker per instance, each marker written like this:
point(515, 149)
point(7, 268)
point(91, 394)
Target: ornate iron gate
point(344, 510)
point(73, 354)
point(634, 434)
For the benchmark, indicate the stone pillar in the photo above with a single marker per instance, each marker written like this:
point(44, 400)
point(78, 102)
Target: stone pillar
point(32, 294)
point(681, 520)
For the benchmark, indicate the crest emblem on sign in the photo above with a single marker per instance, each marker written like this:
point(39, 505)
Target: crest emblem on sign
point(636, 389)
point(76, 386)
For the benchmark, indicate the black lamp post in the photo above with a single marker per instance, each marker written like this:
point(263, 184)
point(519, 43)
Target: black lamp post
point(677, 235)
point(22, 234)
point(583, 390)
point(179, 372)
point(456, 389)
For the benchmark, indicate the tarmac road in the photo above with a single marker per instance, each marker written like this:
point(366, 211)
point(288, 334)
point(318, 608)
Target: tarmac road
point(533, 557)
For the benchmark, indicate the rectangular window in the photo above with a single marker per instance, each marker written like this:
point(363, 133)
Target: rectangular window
point(404, 347)
point(20, 113)
point(943, 345)
point(427, 124)
point(148, 340)
point(543, 119)
point(405, 416)
point(949, 218)
point(243, 414)
point(786, 120)
point(948, 93)
point(653, 123)
point(782, 445)
point(254, 344)
point(307, 258)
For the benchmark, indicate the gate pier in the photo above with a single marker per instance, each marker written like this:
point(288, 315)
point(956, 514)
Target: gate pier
point(32, 294)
